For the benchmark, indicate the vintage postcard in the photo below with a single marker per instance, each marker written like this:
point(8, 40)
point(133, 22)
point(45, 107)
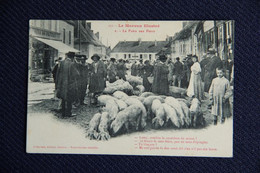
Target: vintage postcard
point(158, 88)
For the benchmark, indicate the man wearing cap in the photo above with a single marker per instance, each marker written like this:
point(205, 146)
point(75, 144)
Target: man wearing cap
point(97, 79)
point(210, 68)
point(67, 84)
point(160, 83)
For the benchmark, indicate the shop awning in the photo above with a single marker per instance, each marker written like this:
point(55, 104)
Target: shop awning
point(61, 47)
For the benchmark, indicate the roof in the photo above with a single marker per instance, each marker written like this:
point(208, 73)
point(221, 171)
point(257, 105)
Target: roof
point(164, 51)
point(186, 31)
point(144, 46)
point(87, 36)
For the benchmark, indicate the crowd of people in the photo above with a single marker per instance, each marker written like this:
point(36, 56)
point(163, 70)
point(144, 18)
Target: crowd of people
point(73, 77)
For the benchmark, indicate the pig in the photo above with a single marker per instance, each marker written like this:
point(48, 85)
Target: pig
point(177, 92)
point(175, 104)
point(134, 101)
point(171, 114)
point(93, 126)
point(120, 95)
point(112, 108)
point(140, 88)
point(148, 103)
point(129, 117)
point(186, 111)
point(103, 127)
point(187, 102)
point(147, 94)
point(121, 104)
point(160, 117)
point(196, 116)
point(103, 99)
point(139, 98)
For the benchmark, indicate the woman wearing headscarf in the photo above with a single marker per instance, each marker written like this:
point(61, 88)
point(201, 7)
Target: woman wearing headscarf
point(195, 88)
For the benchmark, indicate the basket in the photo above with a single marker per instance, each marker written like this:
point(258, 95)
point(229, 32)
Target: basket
point(150, 79)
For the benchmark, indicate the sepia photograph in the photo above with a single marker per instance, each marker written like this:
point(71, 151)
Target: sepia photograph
point(157, 88)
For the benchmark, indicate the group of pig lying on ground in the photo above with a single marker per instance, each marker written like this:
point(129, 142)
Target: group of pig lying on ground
point(122, 113)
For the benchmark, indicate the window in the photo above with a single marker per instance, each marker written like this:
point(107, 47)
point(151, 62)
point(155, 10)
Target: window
point(125, 56)
point(141, 56)
point(64, 36)
point(150, 56)
point(129, 55)
point(69, 37)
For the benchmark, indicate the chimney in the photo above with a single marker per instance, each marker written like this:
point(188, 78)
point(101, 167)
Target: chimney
point(97, 35)
point(89, 25)
point(155, 43)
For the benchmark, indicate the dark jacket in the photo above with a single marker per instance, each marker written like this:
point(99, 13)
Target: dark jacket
point(97, 80)
point(66, 78)
point(178, 68)
point(160, 83)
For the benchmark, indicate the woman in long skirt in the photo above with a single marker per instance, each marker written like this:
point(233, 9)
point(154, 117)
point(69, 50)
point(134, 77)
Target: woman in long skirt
point(195, 85)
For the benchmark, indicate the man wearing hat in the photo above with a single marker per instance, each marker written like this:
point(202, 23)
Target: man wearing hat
point(83, 69)
point(67, 84)
point(111, 70)
point(178, 68)
point(121, 70)
point(210, 68)
point(97, 82)
point(160, 83)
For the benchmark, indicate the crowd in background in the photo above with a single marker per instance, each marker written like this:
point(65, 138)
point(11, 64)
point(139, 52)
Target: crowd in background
point(73, 77)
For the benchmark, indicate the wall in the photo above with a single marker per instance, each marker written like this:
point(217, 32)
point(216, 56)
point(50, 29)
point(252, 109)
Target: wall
point(68, 29)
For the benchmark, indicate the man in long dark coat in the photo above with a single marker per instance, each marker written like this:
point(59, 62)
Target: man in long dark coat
point(66, 78)
point(112, 70)
point(134, 70)
point(98, 76)
point(203, 63)
point(121, 70)
point(148, 71)
point(160, 82)
point(140, 68)
point(178, 70)
point(210, 68)
point(83, 78)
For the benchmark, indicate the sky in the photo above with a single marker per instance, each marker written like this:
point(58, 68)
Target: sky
point(111, 32)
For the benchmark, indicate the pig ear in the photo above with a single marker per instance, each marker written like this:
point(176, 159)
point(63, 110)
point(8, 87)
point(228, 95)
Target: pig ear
point(161, 122)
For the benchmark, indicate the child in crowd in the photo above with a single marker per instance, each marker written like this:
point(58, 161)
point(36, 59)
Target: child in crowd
point(218, 94)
